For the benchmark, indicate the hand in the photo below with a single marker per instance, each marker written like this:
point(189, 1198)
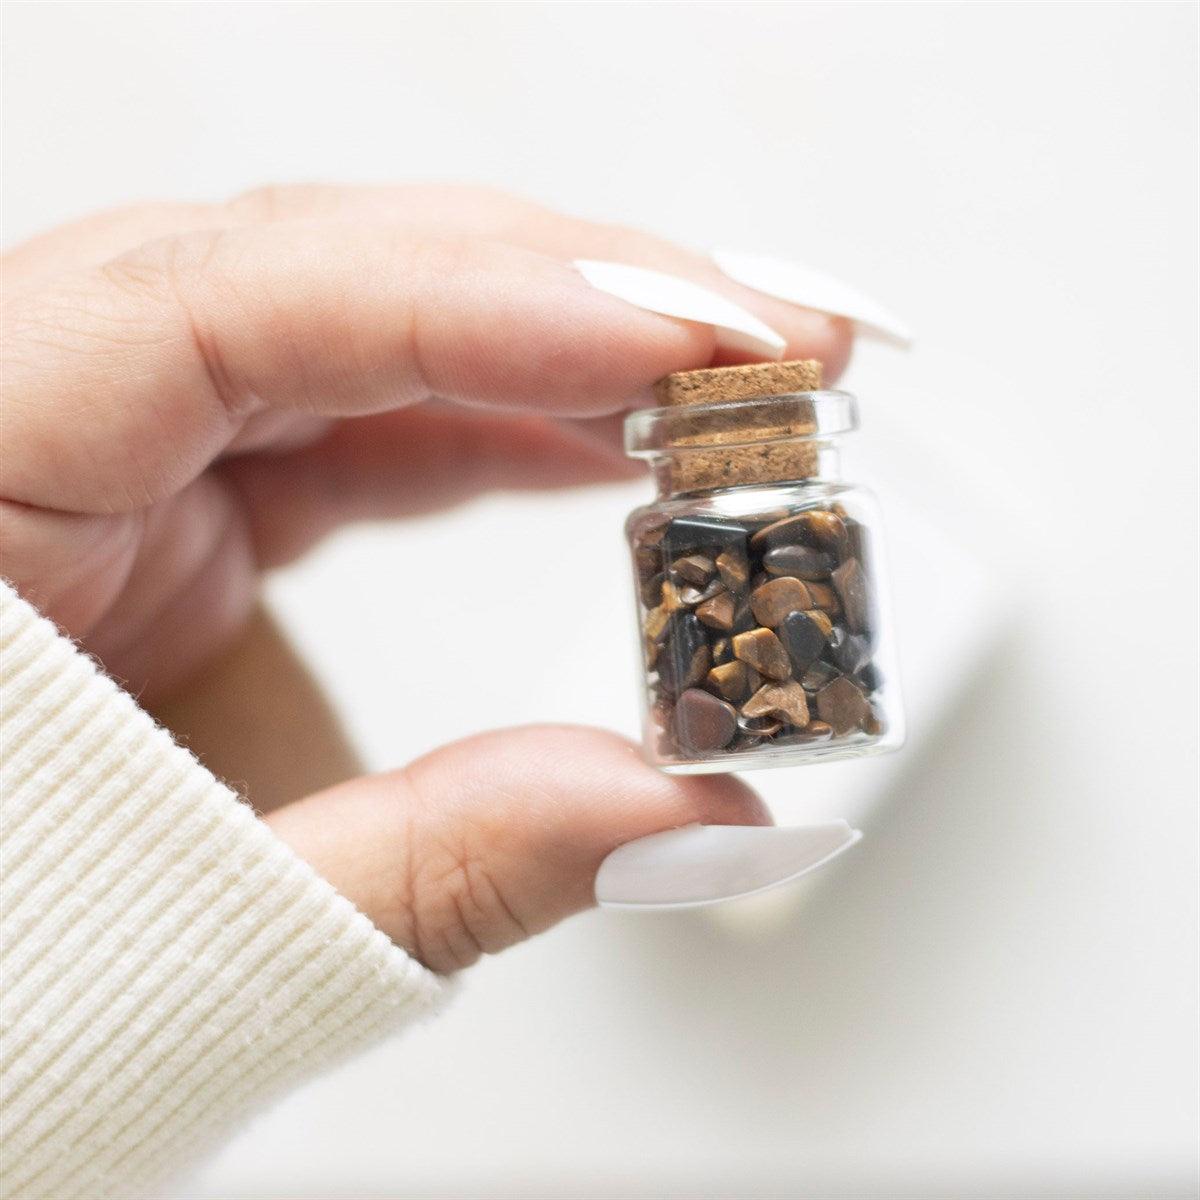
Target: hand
point(194, 393)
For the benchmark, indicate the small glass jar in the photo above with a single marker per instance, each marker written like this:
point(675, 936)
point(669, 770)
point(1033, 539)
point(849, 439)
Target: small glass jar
point(763, 619)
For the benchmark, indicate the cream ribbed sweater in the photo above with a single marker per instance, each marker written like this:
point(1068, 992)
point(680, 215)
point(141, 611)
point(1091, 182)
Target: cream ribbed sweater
point(166, 963)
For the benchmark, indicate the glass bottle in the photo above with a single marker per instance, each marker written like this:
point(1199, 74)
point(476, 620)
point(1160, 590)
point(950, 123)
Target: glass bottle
point(763, 620)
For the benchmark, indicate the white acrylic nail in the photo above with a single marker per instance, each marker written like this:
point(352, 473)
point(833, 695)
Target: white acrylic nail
point(671, 296)
point(702, 864)
point(810, 288)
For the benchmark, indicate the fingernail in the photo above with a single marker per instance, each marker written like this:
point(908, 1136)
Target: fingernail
point(702, 864)
point(671, 296)
point(810, 288)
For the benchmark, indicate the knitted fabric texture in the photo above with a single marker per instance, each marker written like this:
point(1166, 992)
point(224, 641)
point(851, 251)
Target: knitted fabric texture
point(167, 963)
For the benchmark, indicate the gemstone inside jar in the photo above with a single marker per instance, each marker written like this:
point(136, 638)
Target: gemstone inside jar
point(795, 655)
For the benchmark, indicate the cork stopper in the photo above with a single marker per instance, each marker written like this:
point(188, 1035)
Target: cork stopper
point(741, 462)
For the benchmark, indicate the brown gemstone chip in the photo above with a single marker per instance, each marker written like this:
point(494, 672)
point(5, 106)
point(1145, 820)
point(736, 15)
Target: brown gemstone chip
point(734, 569)
point(764, 652)
point(773, 600)
point(814, 527)
point(785, 531)
point(703, 721)
point(732, 680)
point(825, 530)
point(858, 543)
point(694, 569)
point(841, 705)
point(824, 597)
point(804, 562)
point(786, 700)
point(717, 613)
point(850, 580)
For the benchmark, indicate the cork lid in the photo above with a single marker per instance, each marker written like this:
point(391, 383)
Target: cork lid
point(724, 426)
point(715, 385)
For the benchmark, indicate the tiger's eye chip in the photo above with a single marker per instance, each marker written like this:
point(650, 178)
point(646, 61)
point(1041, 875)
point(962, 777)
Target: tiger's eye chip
point(784, 700)
point(842, 706)
point(717, 613)
point(804, 562)
point(694, 569)
point(762, 650)
point(773, 600)
point(734, 569)
point(703, 722)
point(850, 580)
point(731, 681)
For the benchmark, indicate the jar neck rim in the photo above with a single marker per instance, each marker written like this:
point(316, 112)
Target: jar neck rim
point(815, 416)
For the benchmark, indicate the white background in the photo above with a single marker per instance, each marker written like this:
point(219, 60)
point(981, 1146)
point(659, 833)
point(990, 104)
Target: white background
point(994, 995)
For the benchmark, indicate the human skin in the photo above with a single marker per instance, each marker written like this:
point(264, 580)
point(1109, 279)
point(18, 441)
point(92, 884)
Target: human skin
point(193, 394)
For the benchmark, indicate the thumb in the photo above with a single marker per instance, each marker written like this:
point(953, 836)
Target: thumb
point(487, 841)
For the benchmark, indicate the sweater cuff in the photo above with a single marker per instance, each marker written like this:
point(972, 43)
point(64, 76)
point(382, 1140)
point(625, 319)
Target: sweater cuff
point(168, 963)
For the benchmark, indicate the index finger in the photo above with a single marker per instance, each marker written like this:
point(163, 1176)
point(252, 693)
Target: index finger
point(122, 383)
